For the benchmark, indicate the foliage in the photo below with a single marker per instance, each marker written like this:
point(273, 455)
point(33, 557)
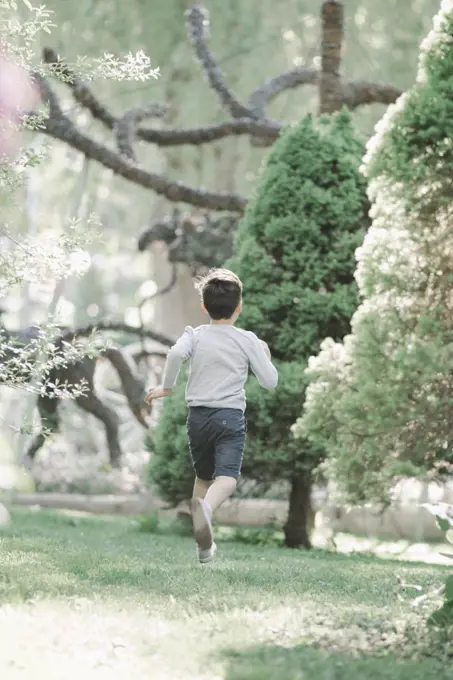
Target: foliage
point(295, 246)
point(272, 453)
point(294, 253)
point(443, 617)
point(148, 523)
point(266, 536)
point(170, 468)
point(47, 255)
point(380, 403)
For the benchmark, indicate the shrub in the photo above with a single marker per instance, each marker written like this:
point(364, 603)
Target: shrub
point(294, 252)
point(170, 468)
point(380, 403)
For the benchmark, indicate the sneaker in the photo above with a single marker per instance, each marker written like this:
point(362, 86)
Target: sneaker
point(205, 556)
point(201, 520)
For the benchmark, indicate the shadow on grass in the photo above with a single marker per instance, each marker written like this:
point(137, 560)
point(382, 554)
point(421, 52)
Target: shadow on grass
point(267, 662)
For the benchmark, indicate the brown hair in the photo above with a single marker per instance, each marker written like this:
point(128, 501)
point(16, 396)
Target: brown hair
point(221, 292)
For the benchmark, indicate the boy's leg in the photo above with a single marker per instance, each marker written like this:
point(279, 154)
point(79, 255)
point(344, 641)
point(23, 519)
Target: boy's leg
point(201, 444)
point(228, 456)
point(219, 491)
point(200, 487)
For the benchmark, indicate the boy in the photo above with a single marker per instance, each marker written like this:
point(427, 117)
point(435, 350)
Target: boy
point(220, 356)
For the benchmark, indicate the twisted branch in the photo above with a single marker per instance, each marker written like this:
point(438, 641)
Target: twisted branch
point(59, 126)
point(198, 22)
point(267, 130)
point(248, 119)
point(265, 93)
point(360, 92)
point(82, 93)
point(126, 127)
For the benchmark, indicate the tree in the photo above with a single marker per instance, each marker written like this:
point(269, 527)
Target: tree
point(380, 402)
point(201, 155)
point(294, 255)
point(250, 119)
point(34, 362)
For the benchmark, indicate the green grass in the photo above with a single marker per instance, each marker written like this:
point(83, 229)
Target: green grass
point(94, 598)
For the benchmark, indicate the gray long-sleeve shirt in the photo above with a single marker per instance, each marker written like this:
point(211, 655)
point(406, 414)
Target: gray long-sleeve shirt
point(219, 359)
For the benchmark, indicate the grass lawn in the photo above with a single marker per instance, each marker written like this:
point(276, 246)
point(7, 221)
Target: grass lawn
point(84, 598)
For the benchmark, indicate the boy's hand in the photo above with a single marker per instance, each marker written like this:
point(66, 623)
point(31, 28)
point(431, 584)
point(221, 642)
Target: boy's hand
point(266, 349)
point(157, 393)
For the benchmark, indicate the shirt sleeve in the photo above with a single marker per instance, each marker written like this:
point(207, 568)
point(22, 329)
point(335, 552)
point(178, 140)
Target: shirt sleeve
point(261, 365)
point(180, 352)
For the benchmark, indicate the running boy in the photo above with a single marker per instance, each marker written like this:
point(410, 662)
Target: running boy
point(219, 356)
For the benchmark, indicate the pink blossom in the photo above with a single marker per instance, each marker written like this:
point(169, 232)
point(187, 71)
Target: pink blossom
point(17, 96)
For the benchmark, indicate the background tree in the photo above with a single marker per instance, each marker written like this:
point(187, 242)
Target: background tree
point(295, 254)
point(202, 157)
point(381, 402)
point(35, 361)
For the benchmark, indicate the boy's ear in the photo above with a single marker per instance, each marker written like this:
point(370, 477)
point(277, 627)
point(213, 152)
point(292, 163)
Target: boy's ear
point(239, 308)
point(204, 308)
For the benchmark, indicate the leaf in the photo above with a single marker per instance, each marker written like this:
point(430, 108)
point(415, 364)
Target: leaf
point(443, 523)
point(449, 590)
point(450, 536)
point(28, 4)
point(442, 510)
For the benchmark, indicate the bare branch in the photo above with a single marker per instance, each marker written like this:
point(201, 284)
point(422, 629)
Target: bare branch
point(82, 93)
point(59, 126)
point(248, 120)
point(115, 326)
point(353, 93)
point(360, 92)
point(198, 22)
point(126, 127)
point(266, 130)
point(270, 89)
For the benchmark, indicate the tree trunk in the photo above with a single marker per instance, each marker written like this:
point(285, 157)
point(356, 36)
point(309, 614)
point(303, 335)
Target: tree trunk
point(300, 520)
point(330, 87)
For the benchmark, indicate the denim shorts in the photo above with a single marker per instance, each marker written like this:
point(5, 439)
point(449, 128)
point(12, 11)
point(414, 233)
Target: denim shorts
point(216, 441)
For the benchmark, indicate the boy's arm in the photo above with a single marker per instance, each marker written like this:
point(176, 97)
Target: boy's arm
point(261, 364)
point(180, 352)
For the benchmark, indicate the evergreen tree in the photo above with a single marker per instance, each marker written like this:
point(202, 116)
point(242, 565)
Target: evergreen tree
point(381, 402)
point(295, 255)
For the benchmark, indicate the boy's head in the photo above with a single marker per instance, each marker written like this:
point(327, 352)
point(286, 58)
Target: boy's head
point(221, 294)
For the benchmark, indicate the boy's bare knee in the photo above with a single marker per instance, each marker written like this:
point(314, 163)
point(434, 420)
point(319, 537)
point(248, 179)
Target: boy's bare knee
point(227, 482)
